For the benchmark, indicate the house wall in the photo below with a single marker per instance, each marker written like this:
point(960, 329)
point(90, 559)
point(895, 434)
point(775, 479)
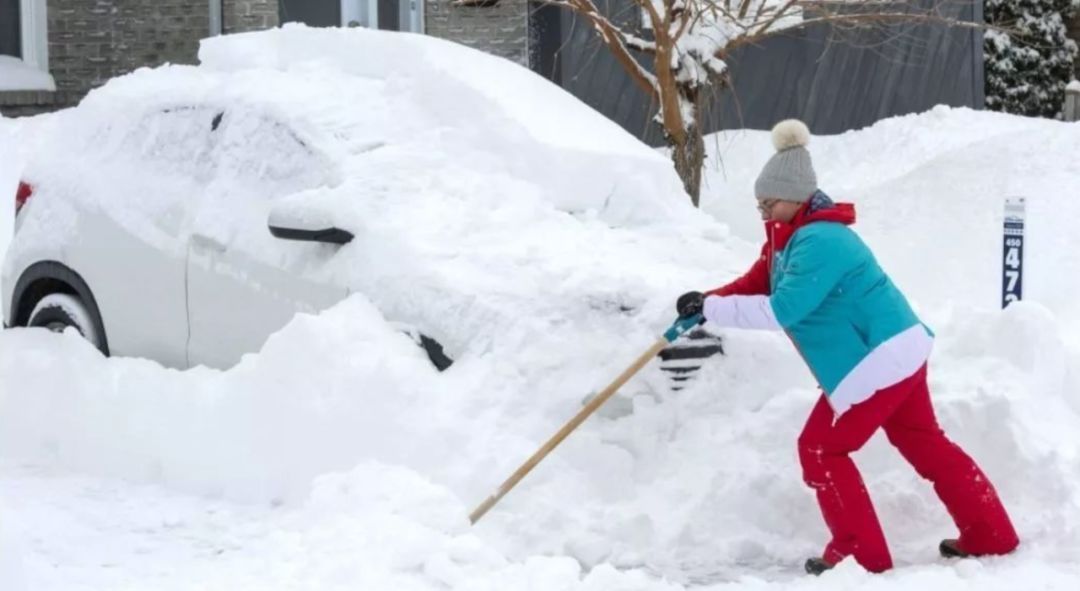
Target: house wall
point(501, 29)
point(249, 15)
point(91, 41)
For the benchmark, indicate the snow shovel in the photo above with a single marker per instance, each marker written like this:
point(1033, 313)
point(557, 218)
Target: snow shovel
point(677, 329)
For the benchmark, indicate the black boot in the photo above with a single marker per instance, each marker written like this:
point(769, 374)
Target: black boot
point(816, 566)
point(949, 549)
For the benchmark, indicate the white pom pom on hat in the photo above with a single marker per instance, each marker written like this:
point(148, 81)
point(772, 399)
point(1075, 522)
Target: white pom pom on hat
point(790, 133)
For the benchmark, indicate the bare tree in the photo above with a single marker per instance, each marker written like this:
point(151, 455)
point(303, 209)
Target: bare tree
point(687, 43)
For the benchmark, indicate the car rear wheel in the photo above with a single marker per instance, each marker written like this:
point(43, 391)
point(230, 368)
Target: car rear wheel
point(57, 311)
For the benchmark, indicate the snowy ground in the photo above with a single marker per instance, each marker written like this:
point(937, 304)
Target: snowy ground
point(336, 459)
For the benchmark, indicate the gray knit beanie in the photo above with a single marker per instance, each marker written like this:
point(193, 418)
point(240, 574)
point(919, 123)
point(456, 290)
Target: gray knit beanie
point(789, 174)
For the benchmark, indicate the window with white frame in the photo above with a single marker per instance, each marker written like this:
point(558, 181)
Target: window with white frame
point(393, 15)
point(24, 46)
point(390, 15)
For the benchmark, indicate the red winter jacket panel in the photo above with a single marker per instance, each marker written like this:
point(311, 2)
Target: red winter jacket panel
point(757, 280)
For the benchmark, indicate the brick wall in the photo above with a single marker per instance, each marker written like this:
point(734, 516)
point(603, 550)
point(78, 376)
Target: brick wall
point(25, 102)
point(91, 41)
point(249, 15)
point(501, 29)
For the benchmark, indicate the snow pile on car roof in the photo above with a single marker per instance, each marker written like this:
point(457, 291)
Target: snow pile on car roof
point(354, 91)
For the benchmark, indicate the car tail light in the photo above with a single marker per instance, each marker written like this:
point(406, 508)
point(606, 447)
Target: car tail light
point(22, 196)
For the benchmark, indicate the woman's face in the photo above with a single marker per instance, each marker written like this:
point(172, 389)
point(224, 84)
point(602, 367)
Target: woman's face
point(777, 210)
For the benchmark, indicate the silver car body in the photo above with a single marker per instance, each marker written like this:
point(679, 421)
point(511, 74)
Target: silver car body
point(179, 292)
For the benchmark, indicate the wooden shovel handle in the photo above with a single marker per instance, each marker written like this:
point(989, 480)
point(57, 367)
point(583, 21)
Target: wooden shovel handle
point(568, 428)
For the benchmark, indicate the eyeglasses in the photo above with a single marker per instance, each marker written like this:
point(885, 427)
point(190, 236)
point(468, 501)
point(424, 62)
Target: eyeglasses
point(766, 205)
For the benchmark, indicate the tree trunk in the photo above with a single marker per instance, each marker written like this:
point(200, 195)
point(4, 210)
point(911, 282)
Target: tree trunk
point(687, 143)
point(689, 158)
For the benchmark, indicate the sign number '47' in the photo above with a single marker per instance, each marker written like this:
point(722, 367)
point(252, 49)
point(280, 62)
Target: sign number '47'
point(1012, 279)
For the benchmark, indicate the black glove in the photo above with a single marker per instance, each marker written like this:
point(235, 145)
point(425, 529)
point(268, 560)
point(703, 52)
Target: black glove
point(690, 304)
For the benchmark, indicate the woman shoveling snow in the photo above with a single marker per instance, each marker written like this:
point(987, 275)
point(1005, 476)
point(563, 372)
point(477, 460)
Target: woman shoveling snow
point(817, 281)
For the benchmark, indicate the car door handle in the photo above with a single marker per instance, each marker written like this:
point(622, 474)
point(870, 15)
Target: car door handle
point(207, 243)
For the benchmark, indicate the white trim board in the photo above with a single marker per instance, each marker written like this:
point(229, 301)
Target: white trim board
point(366, 13)
point(34, 46)
point(216, 24)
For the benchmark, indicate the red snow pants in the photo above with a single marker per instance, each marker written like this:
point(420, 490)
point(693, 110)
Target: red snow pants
point(905, 412)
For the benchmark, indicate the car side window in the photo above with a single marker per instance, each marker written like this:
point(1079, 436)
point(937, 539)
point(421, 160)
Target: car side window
point(262, 151)
point(179, 137)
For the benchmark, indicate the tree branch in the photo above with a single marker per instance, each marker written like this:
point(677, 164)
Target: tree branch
point(780, 13)
point(659, 24)
point(618, 41)
point(759, 32)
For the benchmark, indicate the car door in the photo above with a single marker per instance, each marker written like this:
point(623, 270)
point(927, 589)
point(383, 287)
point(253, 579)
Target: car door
point(244, 284)
point(129, 242)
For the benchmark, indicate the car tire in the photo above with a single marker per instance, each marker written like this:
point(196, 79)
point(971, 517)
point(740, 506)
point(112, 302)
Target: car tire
point(58, 311)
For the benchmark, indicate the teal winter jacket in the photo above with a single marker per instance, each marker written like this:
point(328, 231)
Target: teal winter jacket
point(853, 327)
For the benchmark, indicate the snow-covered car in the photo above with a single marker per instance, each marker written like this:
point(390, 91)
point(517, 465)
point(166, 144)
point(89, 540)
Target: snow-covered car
point(171, 292)
point(186, 213)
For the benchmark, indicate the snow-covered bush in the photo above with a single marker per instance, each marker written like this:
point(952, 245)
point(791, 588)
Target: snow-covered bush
point(1029, 58)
